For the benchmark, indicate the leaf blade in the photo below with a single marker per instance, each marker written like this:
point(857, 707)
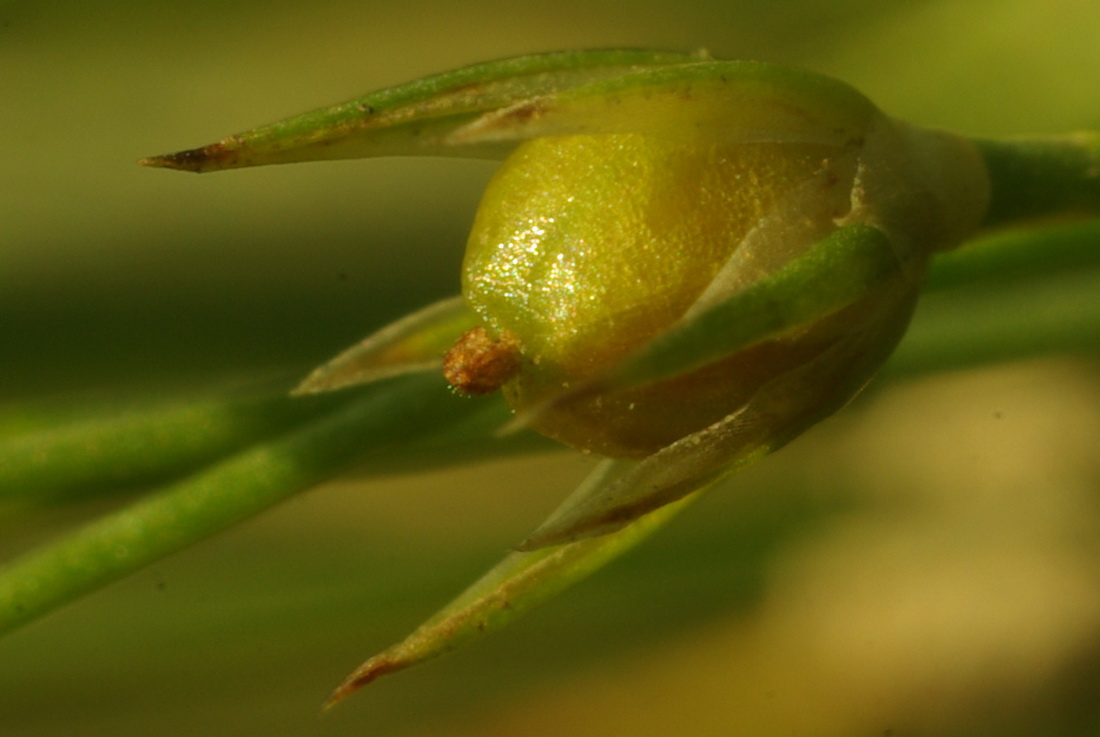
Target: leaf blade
point(521, 581)
point(412, 118)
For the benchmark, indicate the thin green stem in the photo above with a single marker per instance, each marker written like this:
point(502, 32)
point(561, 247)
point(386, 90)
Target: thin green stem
point(1038, 177)
point(1018, 254)
point(237, 488)
point(142, 447)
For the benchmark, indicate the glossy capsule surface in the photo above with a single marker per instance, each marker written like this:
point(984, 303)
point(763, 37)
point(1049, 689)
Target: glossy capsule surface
point(586, 247)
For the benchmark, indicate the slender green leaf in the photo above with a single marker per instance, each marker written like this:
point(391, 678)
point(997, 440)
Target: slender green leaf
point(518, 583)
point(414, 118)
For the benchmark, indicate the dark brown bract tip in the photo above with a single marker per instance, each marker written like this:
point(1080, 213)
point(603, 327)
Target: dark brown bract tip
point(364, 674)
point(207, 158)
point(479, 363)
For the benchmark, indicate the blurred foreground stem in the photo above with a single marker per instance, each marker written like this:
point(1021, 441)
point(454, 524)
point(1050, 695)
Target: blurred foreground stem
point(1042, 177)
point(230, 491)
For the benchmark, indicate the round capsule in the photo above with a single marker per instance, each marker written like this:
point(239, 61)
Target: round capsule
point(587, 247)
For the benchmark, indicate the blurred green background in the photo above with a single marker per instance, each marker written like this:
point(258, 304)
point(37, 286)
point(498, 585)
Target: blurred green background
point(925, 564)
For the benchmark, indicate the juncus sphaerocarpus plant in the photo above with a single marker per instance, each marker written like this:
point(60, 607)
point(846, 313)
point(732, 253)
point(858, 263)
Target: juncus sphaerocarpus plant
point(682, 264)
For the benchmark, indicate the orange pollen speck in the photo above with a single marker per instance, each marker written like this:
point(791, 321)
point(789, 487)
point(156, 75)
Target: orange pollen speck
point(479, 363)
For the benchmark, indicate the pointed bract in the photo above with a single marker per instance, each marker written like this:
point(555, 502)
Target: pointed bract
point(415, 119)
point(414, 343)
point(519, 582)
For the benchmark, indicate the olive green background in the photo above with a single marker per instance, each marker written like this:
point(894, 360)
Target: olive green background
point(925, 564)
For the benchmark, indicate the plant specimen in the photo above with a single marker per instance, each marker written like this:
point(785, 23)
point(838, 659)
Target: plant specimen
point(682, 264)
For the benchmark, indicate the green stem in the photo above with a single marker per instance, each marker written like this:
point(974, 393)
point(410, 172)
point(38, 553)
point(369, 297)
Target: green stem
point(237, 488)
point(1037, 177)
point(142, 448)
point(1018, 254)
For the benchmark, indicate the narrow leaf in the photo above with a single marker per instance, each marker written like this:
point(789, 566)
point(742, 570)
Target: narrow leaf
point(521, 581)
point(414, 118)
point(663, 478)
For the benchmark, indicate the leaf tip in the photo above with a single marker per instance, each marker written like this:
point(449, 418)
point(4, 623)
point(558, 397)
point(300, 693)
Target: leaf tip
point(221, 155)
point(537, 541)
point(575, 529)
point(315, 383)
point(361, 676)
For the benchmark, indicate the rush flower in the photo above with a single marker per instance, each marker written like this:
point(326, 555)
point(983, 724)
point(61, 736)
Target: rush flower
point(683, 263)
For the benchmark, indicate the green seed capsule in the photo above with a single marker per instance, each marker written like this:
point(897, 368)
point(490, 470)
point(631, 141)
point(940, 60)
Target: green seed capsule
point(587, 247)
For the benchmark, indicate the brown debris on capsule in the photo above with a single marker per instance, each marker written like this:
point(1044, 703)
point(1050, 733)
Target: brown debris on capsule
point(478, 363)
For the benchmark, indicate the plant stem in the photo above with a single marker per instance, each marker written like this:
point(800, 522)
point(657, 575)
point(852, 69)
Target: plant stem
point(154, 445)
point(1036, 177)
point(237, 488)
